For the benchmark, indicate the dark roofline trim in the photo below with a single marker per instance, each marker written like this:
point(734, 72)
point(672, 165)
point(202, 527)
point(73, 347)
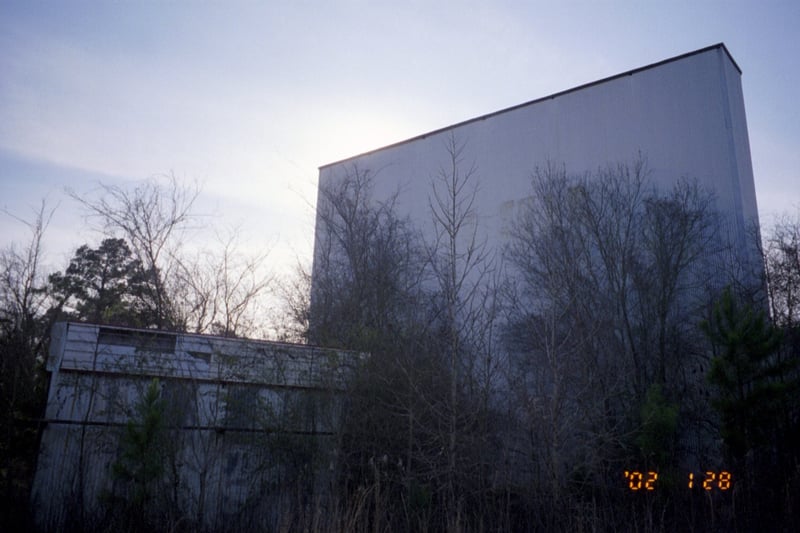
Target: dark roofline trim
point(251, 342)
point(537, 100)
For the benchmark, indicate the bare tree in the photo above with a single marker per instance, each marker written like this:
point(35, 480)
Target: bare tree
point(221, 291)
point(609, 279)
point(22, 279)
point(24, 335)
point(293, 312)
point(368, 294)
point(462, 269)
point(552, 332)
point(152, 218)
point(782, 264)
point(364, 262)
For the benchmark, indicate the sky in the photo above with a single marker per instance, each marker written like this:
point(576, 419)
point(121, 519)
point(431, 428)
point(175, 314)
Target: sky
point(250, 98)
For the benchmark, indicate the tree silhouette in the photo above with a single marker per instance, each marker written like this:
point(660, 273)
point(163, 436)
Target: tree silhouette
point(103, 285)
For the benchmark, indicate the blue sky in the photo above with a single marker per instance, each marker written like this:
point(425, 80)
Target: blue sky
point(249, 98)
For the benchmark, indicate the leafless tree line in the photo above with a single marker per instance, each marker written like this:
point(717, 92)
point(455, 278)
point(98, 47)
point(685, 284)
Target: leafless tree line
point(506, 389)
point(140, 275)
point(510, 390)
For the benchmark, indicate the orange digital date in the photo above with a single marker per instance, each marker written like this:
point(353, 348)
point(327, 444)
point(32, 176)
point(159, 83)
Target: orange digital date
point(710, 480)
point(637, 480)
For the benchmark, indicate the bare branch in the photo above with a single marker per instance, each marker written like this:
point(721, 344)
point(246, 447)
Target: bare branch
point(153, 218)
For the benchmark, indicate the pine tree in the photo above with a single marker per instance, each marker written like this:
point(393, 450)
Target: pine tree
point(748, 375)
